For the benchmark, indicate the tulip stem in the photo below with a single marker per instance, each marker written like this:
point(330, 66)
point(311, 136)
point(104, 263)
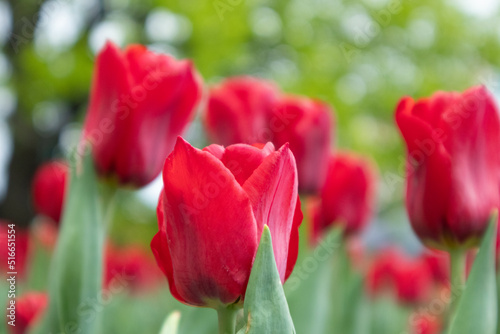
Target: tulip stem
point(227, 320)
point(457, 284)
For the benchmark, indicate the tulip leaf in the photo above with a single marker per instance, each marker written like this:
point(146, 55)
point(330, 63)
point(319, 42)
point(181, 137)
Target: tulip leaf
point(477, 309)
point(313, 288)
point(265, 307)
point(75, 296)
point(171, 324)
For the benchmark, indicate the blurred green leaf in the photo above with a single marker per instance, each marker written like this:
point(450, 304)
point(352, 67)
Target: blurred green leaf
point(171, 325)
point(75, 295)
point(477, 309)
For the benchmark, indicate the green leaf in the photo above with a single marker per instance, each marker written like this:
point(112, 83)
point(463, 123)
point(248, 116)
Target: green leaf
point(265, 307)
point(314, 286)
point(477, 308)
point(171, 325)
point(75, 295)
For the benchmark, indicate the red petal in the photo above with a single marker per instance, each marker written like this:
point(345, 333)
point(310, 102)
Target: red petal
point(242, 160)
point(110, 82)
point(272, 189)
point(293, 248)
point(428, 174)
point(211, 229)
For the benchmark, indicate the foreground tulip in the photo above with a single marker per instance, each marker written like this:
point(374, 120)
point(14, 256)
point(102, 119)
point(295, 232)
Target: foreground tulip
point(409, 279)
point(140, 103)
point(307, 125)
point(28, 310)
point(21, 240)
point(347, 197)
point(48, 189)
point(453, 144)
point(238, 109)
point(211, 215)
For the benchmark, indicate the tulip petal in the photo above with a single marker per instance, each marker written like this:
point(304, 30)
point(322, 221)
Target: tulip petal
point(428, 174)
point(111, 80)
point(474, 145)
point(212, 241)
point(242, 160)
point(293, 247)
point(168, 93)
point(272, 189)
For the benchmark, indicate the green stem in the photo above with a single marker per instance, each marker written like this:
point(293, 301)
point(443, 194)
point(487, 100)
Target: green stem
point(227, 320)
point(457, 262)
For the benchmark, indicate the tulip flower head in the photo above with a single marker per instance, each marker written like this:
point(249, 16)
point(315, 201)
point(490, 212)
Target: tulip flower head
point(22, 248)
point(409, 279)
point(29, 309)
point(211, 215)
point(307, 125)
point(140, 102)
point(238, 110)
point(347, 197)
point(49, 188)
point(453, 145)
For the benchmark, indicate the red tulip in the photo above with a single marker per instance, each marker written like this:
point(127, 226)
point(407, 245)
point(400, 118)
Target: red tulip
point(305, 124)
point(453, 143)
point(21, 249)
point(347, 197)
point(48, 189)
point(238, 110)
point(410, 279)
point(424, 324)
point(140, 102)
point(211, 214)
point(28, 310)
point(132, 268)
point(439, 264)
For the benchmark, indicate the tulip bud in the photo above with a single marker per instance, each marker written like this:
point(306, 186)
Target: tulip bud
point(48, 189)
point(140, 102)
point(211, 215)
point(28, 310)
point(305, 124)
point(347, 197)
point(453, 145)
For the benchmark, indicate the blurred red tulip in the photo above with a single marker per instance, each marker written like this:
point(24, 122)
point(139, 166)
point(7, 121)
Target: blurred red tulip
point(140, 102)
point(211, 214)
point(249, 110)
point(49, 187)
point(453, 144)
point(410, 279)
point(347, 197)
point(21, 249)
point(424, 324)
point(306, 124)
point(238, 110)
point(28, 310)
point(132, 268)
point(439, 265)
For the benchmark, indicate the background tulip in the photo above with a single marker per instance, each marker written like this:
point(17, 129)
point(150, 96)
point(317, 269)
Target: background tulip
point(409, 279)
point(211, 214)
point(48, 189)
point(306, 124)
point(238, 109)
point(347, 196)
point(29, 308)
point(22, 249)
point(131, 268)
point(140, 102)
point(453, 145)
